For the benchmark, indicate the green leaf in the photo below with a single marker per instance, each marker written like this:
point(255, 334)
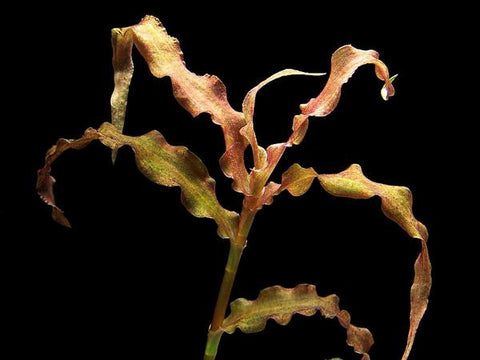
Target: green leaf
point(196, 94)
point(160, 162)
point(396, 200)
point(396, 205)
point(297, 180)
point(280, 304)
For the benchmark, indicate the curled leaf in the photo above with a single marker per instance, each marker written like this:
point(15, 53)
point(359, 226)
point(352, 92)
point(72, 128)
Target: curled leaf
point(160, 162)
point(280, 304)
point(396, 205)
point(248, 108)
point(344, 63)
point(196, 94)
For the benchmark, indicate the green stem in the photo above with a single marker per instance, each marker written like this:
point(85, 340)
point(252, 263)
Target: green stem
point(235, 253)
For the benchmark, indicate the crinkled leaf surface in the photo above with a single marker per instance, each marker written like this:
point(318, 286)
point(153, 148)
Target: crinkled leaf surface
point(396, 205)
point(197, 94)
point(160, 162)
point(207, 94)
point(344, 62)
point(280, 304)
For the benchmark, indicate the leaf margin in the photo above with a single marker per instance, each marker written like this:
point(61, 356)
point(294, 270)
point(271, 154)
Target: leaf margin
point(352, 183)
point(109, 136)
point(302, 299)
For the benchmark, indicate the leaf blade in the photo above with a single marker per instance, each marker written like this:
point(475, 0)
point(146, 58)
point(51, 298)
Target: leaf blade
point(345, 61)
point(280, 304)
point(248, 108)
point(161, 163)
point(196, 94)
point(397, 206)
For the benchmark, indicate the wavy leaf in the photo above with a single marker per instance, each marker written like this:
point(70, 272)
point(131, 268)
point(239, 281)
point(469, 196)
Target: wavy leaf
point(344, 63)
point(248, 107)
point(160, 162)
point(280, 304)
point(396, 205)
point(197, 94)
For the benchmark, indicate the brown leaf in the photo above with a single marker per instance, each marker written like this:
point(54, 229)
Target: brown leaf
point(197, 94)
point(280, 304)
point(160, 162)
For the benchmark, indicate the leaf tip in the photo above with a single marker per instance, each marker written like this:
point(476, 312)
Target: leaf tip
point(114, 156)
point(61, 219)
point(388, 90)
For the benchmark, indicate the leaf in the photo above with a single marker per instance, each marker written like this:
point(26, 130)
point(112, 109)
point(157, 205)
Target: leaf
point(248, 107)
point(280, 304)
point(196, 94)
point(396, 200)
point(160, 162)
point(396, 205)
point(297, 180)
point(344, 63)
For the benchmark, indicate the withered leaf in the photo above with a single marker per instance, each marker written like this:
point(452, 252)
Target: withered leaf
point(280, 304)
point(160, 162)
point(197, 94)
point(396, 205)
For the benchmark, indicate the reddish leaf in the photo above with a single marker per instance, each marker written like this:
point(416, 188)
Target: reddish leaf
point(160, 162)
point(197, 94)
point(344, 63)
point(248, 107)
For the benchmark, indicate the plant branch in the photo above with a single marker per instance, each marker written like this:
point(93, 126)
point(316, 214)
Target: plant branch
point(235, 253)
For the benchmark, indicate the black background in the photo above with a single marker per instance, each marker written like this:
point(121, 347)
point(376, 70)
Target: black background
point(137, 276)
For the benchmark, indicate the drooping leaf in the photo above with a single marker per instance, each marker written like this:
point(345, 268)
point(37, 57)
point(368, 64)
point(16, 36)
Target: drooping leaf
point(344, 62)
point(396, 205)
point(248, 107)
point(197, 94)
point(160, 162)
point(280, 304)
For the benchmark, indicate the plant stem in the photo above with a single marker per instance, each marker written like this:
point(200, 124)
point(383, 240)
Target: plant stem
point(234, 255)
